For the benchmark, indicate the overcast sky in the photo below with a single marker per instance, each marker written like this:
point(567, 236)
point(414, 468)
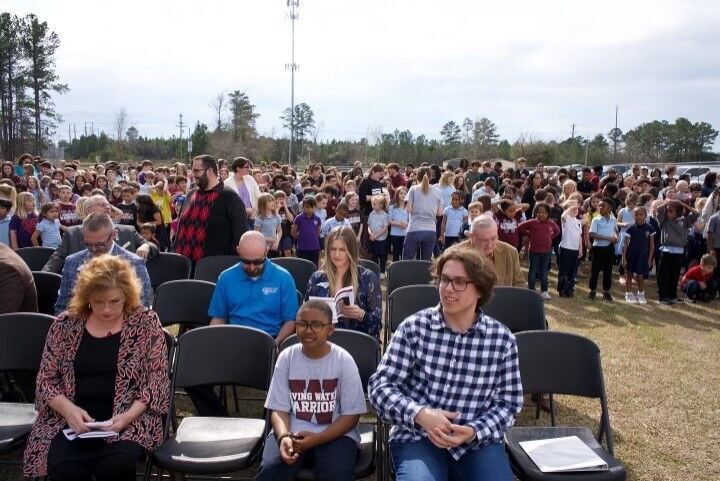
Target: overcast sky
point(531, 67)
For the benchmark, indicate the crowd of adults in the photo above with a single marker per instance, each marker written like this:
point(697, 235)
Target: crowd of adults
point(476, 221)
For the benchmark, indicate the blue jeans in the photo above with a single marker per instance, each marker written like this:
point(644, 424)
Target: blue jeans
point(693, 291)
point(332, 461)
point(422, 461)
point(539, 265)
point(424, 240)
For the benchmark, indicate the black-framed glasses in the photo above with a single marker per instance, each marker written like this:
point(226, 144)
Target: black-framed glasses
point(97, 245)
point(458, 285)
point(254, 262)
point(315, 326)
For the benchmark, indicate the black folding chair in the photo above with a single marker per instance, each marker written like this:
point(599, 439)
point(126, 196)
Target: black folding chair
point(226, 355)
point(368, 264)
point(406, 301)
point(365, 350)
point(47, 285)
point(22, 341)
point(561, 363)
point(300, 269)
point(209, 268)
point(35, 257)
point(408, 273)
point(184, 302)
point(167, 266)
point(518, 308)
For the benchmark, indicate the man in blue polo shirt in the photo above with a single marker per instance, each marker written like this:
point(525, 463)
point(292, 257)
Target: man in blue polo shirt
point(253, 293)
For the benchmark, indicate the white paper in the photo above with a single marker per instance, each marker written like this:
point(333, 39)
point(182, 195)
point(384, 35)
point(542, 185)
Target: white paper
point(564, 454)
point(94, 432)
point(335, 302)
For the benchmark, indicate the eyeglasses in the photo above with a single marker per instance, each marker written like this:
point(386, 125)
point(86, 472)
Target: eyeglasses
point(98, 245)
point(255, 262)
point(315, 326)
point(458, 285)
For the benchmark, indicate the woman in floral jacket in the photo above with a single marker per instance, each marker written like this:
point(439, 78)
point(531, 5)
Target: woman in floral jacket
point(105, 359)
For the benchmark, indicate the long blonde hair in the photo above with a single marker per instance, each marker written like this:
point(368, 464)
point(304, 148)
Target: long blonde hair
point(263, 204)
point(424, 175)
point(20, 210)
point(351, 278)
point(10, 193)
point(447, 179)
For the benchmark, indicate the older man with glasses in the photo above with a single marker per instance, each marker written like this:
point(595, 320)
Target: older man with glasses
point(99, 235)
point(484, 237)
point(127, 237)
point(254, 293)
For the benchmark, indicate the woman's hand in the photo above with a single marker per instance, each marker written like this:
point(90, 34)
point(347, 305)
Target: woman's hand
point(353, 311)
point(287, 451)
point(76, 417)
point(120, 422)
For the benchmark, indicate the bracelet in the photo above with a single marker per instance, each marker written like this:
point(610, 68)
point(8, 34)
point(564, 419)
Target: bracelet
point(283, 436)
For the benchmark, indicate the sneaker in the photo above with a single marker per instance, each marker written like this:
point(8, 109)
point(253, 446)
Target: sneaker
point(607, 296)
point(678, 300)
point(630, 298)
point(641, 298)
point(689, 300)
point(622, 280)
point(592, 295)
point(546, 295)
point(667, 302)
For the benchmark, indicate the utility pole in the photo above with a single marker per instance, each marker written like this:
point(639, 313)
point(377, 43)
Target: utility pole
point(293, 5)
point(572, 144)
point(615, 139)
point(182, 126)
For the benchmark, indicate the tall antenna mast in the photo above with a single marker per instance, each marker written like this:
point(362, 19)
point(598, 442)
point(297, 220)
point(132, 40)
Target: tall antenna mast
point(293, 5)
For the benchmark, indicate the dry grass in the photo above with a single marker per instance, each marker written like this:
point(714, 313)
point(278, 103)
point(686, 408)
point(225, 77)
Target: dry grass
point(662, 374)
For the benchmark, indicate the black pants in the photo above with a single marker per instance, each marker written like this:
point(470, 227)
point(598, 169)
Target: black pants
point(668, 275)
point(206, 402)
point(81, 459)
point(602, 260)
point(567, 270)
point(396, 243)
point(312, 256)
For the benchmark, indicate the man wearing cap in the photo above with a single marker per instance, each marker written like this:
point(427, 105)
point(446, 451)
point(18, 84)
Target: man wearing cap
point(72, 242)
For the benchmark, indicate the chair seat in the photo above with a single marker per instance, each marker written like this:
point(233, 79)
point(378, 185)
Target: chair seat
point(365, 462)
point(525, 469)
point(16, 420)
point(208, 445)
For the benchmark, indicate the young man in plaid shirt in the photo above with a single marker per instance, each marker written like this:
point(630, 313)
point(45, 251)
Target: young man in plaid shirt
point(449, 381)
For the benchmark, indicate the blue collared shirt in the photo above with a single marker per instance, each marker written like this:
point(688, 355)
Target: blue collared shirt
point(603, 226)
point(427, 364)
point(265, 303)
point(74, 262)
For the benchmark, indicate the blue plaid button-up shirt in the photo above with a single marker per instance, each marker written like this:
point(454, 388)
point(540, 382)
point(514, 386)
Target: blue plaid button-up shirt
point(427, 364)
point(74, 262)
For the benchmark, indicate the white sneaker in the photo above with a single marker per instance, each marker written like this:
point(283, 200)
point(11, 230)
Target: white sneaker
point(622, 280)
point(630, 298)
point(546, 295)
point(641, 298)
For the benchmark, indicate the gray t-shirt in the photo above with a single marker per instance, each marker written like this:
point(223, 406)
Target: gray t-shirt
point(315, 392)
point(714, 229)
point(424, 208)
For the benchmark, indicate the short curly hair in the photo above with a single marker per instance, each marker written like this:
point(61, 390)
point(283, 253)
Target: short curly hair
point(101, 274)
point(480, 271)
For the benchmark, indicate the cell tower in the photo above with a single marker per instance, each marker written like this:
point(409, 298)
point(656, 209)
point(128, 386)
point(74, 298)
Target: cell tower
point(292, 66)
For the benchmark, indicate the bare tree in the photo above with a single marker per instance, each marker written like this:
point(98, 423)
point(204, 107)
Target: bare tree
point(121, 118)
point(219, 105)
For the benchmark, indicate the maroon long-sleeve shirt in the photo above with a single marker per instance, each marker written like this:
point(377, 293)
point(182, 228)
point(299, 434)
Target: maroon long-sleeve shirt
point(541, 234)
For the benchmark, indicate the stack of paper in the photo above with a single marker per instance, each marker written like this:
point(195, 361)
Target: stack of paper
point(565, 454)
point(346, 296)
point(93, 433)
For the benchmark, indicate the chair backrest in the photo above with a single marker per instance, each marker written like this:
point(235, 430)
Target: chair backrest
point(407, 300)
point(22, 340)
point(299, 269)
point(363, 348)
point(224, 355)
point(184, 302)
point(518, 308)
point(167, 266)
point(300, 297)
point(368, 264)
point(408, 273)
point(35, 257)
point(47, 285)
point(209, 268)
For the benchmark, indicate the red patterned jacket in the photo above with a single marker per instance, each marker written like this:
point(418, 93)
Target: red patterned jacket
point(142, 375)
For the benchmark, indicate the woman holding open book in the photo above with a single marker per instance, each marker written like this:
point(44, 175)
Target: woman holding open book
point(339, 269)
point(103, 385)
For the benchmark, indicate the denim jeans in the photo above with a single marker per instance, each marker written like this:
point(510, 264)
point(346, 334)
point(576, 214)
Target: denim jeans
point(422, 240)
point(332, 461)
point(422, 461)
point(539, 265)
point(693, 291)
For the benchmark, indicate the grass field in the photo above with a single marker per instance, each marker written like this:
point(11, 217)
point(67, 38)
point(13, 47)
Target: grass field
point(662, 375)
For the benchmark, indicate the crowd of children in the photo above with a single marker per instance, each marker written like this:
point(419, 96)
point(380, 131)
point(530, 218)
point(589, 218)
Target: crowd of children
point(642, 223)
